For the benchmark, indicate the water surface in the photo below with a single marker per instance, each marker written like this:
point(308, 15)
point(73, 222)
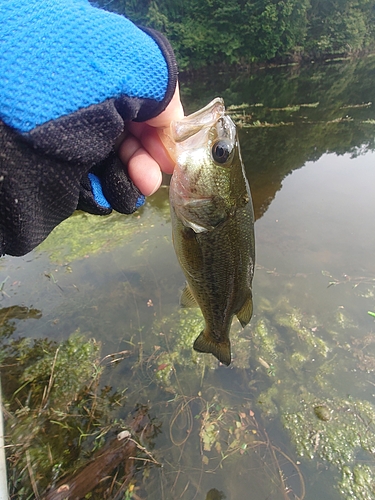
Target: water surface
point(250, 430)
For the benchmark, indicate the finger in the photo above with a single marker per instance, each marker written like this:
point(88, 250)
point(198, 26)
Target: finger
point(145, 172)
point(149, 138)
point(173, 112)
point(127, 148)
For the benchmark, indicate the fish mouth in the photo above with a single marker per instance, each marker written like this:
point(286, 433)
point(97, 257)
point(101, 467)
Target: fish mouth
point(194, 123)
point(191, 125)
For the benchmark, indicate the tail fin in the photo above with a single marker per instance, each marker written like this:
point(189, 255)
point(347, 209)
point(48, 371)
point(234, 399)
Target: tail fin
point(221, 350)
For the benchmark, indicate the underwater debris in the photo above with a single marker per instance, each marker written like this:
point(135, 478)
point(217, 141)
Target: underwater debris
point(323, 412)
point(58, 415)
point(120, 450)
point(231, 437)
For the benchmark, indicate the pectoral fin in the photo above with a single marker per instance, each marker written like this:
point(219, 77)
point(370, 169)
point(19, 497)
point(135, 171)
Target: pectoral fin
point(187, 298)
point(194, 226)
point(221, 350)
point(245, 313)
point(203, 215)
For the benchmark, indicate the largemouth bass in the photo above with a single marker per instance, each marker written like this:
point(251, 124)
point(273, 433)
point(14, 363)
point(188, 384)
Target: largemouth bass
point(212, 223)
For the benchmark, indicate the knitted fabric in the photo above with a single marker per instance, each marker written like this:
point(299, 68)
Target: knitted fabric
point(71, 77)
point(58, 56)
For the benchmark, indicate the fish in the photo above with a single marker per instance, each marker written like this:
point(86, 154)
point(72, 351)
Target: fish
point(212, 223)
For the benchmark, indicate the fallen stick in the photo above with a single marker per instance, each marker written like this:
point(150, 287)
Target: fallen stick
point(122, 449)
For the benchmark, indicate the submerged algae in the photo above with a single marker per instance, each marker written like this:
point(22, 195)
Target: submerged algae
point(337, 440)
point(83, 234)
point(358, 482)
point(306, 360)
point(56, 413)
point(295, 324)
point(265, 339)
point(349, 434)
point(176, 334)
point(322, 424)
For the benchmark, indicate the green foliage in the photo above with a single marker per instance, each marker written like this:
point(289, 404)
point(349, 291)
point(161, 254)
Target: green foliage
point(226, 32)
point(340, 26)
point(222, 32)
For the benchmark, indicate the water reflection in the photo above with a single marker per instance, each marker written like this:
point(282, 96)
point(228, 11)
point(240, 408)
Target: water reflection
point(300, 114)
point(11, 313)
point(327, 214)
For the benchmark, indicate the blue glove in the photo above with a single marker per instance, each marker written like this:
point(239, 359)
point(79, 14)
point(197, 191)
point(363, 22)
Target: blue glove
point(71, 76)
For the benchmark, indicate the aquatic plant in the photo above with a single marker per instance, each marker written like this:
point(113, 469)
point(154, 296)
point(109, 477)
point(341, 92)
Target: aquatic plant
point(58, 415)
point(83, 234)
point(175, 336)
point(323, 425)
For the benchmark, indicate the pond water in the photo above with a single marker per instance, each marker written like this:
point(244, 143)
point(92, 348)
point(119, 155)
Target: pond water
point(293, 416)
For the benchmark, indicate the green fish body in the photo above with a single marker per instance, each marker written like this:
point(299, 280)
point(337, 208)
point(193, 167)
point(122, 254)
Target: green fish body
point(212, 224)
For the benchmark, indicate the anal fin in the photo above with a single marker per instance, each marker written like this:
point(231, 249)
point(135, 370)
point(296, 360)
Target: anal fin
point(187, 298)
point(246, 311)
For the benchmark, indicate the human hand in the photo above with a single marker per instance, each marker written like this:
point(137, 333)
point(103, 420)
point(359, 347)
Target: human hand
point(143, 152)
point(89, 74)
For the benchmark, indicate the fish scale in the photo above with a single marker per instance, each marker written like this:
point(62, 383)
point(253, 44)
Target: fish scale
point(212, 223)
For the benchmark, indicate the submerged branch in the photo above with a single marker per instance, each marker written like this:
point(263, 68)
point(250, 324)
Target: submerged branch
point(122, 449)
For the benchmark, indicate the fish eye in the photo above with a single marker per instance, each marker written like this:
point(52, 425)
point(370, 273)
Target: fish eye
point(221, 152)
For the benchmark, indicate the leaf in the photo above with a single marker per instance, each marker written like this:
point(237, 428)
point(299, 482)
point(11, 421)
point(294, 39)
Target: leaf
point(205, 459)
point(234, 444)
point(206, 446)
point(263, 363)
point(162, 366)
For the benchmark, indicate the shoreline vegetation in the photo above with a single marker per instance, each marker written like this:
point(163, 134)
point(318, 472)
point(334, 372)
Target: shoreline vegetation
point(251, 34)
point(301, 61)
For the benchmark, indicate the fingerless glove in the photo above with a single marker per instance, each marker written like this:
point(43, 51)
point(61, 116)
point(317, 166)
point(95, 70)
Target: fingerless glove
point(71, 76)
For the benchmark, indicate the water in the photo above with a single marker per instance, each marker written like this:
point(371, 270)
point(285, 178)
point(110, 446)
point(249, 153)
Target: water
point(250, 430)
